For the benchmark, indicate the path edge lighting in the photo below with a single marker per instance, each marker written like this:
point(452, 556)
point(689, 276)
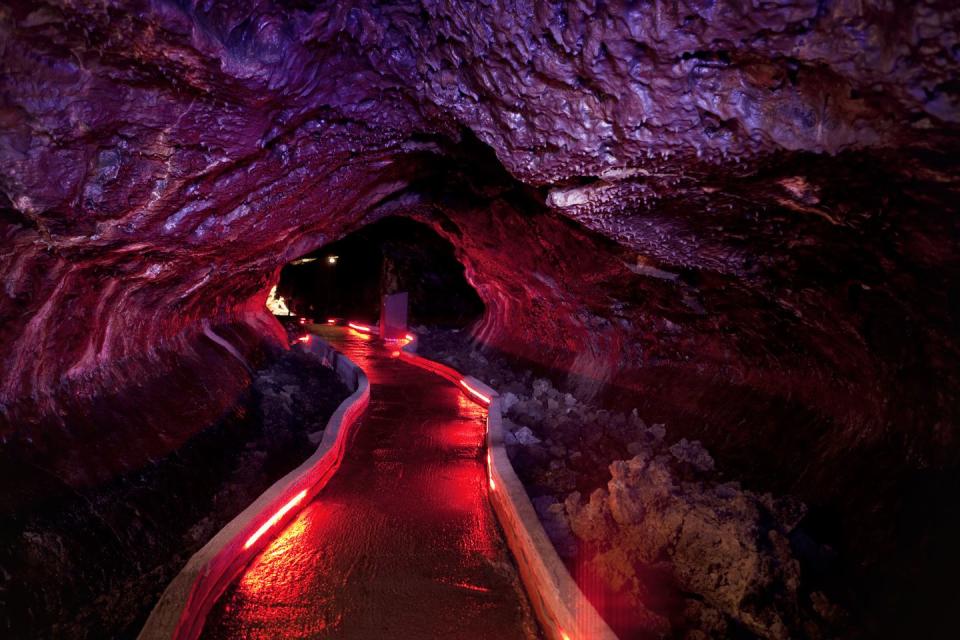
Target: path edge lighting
point(562, 608)
point(183, 608)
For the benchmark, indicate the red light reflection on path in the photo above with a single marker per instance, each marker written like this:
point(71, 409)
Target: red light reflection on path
point(402, 542)
point(275, 518)
point(255, 584)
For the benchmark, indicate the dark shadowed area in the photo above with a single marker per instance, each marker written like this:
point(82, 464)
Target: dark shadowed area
point(91, 562)
point(345, 279)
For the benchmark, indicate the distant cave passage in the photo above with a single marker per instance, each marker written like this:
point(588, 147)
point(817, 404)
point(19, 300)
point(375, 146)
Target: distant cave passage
point(346, 279)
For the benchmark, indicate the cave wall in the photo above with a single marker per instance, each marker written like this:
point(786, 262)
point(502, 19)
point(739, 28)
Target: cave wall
point(742, 220)
point(150, 192)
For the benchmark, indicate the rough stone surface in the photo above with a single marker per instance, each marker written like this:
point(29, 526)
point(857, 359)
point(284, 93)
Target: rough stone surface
point(92, 563)
point(663, 542)
point(658, 539)
point(719, 542)
point(738, 217)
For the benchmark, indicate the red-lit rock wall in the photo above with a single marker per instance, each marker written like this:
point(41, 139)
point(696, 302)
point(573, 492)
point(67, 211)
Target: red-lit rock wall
point(742, 220)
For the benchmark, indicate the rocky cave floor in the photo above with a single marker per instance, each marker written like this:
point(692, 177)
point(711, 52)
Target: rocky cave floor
point(649, 525)
point(93, 564)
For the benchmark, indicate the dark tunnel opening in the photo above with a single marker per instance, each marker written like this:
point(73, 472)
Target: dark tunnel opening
point(347, 278)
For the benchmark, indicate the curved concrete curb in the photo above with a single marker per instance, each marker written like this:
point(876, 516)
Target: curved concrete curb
point(564, 612)
point(184, 605)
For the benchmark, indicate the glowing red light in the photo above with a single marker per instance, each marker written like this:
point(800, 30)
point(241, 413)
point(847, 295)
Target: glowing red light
point(564, 635)
point(362, 328)
point(472, 587)
point(331, 321)
point(409, 337)
point(493, 485)
point(275, 518)
point(476, 394)
point(303, 321)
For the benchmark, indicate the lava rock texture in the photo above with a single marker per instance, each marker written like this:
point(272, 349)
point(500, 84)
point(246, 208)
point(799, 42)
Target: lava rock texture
point(92, 562)
point(664, 545)
point(738, 217)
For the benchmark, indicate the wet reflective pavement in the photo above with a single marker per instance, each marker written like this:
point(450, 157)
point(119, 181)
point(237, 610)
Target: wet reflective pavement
point(402, 542)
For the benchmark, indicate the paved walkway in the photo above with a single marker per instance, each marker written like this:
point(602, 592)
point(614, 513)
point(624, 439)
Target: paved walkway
point(402, 543)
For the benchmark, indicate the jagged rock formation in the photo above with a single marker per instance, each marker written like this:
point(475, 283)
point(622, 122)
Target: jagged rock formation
point(659, 539)
point(742, 219)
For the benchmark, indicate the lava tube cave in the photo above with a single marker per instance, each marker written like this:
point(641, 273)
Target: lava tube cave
point(562, 320)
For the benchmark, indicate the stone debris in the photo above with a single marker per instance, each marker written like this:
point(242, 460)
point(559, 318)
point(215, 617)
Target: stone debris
point(524, 436)
point(692, 555)
point(692, 454)
point(508, 400)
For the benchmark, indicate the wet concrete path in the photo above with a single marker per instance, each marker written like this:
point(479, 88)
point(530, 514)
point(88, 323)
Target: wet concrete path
point(402, 542)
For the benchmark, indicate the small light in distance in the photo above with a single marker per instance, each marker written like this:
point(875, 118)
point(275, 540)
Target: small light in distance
point(303, 321)
point(331, 321)
point(332, 259)
point(474, 392)
point(275, 518)
point(303, 339)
